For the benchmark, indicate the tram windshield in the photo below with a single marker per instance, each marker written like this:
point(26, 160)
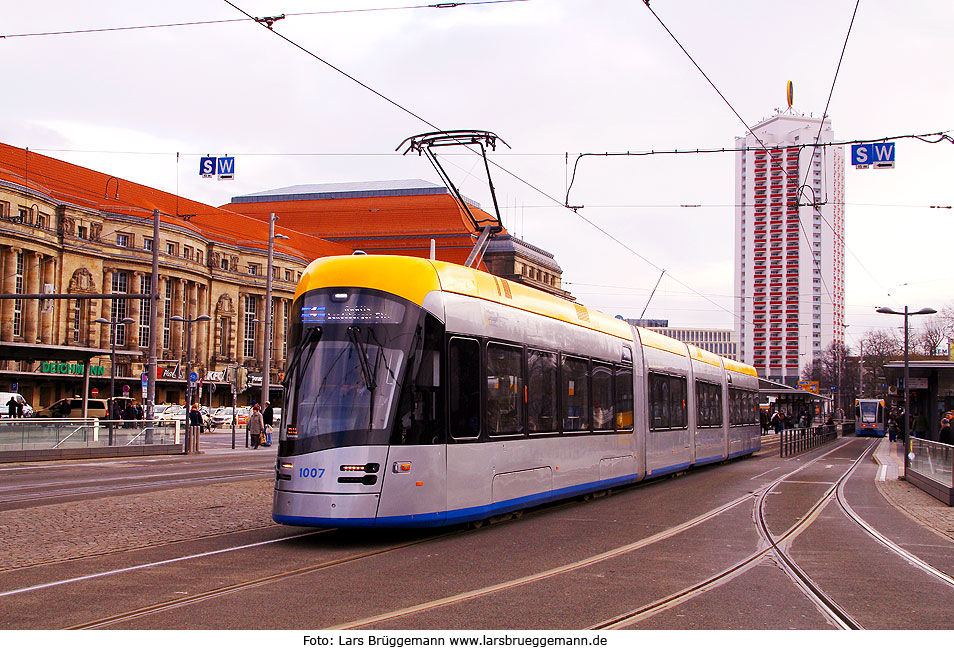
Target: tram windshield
point(347, 354)
point(869, 412)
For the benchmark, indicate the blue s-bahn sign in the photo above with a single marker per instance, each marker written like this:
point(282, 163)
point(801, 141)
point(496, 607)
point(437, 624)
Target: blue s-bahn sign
point(223, 166)
point(879, 155)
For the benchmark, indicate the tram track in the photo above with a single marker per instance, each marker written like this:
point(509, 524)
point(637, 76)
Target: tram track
point(281, 576)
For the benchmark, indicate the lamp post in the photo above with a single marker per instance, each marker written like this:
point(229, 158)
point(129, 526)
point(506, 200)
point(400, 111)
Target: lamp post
point(189, 321)
point(112, 363)
point(267, 353)
point(907, 395)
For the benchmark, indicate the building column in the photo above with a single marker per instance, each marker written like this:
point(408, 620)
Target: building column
point(107, 308)
point(46, 318)
point(9, 287)
point(135, 312)
point(239, 346)
point(176, 327)
point(31, 307)
point(202, 332)
point(260, 330)
point(161, 316)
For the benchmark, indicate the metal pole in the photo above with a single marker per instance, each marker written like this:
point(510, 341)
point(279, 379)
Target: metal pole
point(112, 381)
point(190, 444)
point(153, 364)
point(907, 383)
point(267, 355)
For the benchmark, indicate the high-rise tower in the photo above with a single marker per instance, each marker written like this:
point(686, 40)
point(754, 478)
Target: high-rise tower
point(789, 245)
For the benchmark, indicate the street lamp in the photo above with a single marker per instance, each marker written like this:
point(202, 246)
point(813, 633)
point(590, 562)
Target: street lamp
point(267, 353)
point(112, 362)
point(189, 321)
point(907, 395)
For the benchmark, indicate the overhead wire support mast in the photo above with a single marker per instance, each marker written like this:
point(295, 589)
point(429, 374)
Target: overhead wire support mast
point(425, 143)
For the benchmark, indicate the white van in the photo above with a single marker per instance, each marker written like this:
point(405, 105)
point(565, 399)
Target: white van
point(5, 410)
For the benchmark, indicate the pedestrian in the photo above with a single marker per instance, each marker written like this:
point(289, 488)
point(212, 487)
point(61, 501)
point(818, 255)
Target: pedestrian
point(129, 415)
point(195, 427)
point(19, 407)
point(777, 422)
point(12, 407)
point(255, 427)
point(892, 429)
point(267, 421)
point(946, 434)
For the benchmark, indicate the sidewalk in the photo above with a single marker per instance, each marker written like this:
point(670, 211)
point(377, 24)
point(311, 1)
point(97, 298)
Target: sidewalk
point(917, 504)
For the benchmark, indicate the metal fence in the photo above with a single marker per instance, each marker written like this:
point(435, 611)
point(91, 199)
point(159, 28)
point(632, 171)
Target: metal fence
point(20, 434)
point(802, 439)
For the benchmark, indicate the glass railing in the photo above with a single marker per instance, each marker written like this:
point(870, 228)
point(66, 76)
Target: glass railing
point(61, 433)
point(932, 460)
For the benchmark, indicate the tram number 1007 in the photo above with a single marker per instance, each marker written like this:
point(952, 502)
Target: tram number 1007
point(314, 473)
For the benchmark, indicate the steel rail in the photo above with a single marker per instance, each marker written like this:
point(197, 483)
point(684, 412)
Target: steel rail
point(888, 543)
point(245, 585)
point(724, 576)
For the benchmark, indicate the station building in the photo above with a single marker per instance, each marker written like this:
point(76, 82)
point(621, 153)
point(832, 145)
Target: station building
point(68, 229)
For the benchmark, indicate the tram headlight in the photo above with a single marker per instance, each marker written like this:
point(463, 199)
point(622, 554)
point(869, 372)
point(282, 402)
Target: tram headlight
point(367, 467)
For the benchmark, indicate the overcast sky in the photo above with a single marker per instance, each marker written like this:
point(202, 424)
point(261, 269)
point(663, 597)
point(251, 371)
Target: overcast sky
point(550, 77)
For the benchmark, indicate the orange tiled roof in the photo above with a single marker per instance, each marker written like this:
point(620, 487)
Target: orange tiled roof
point(71, 184)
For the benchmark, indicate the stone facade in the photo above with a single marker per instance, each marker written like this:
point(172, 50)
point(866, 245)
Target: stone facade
point(69, 248)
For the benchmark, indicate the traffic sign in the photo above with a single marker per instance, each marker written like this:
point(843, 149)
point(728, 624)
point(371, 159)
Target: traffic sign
point(207, 165)
point(879, 155)
point(193, 376)
point(94, 392)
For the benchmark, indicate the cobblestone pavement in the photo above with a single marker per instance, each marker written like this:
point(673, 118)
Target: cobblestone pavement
point(56, 532)
point(86, 528)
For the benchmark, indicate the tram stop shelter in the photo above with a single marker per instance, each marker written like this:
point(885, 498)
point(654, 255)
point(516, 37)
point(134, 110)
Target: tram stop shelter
point(931, 391)
point(795, 401)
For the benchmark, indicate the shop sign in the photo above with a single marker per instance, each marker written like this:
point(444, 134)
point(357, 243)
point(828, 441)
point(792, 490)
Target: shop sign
point(65, 368)
point(171, 373)
point(215, 376)
point(255, 379)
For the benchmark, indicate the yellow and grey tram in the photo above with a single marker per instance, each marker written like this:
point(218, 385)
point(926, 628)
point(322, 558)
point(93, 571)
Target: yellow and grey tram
point(424, 393)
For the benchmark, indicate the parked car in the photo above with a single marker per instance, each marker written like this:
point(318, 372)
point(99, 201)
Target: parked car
point(5, 398)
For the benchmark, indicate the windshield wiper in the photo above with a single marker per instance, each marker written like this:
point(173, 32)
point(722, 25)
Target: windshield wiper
point(312, 338)
point(362, 357)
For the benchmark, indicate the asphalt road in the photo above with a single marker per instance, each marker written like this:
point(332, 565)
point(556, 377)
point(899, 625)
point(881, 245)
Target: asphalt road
point(187, 543)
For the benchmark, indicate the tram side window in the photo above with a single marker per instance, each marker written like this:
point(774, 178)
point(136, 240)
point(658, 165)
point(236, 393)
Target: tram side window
point(542, 392)
point(420, 411)
point(575, 399)
point(659, 401)
point(603, 411)
point(667, 398)
point(505, 392)
point(624, 398)
point(679, 411)
point(743, 407)
point(464, 378)
point(708, 404)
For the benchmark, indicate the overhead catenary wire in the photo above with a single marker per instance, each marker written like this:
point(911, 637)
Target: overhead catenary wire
point(266, 21)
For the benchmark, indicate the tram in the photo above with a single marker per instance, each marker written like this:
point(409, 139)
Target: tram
point(870, 417)
point(423, 393)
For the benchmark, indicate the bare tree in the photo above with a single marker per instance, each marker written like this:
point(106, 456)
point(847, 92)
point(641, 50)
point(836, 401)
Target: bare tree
point(877, 348)
point(930, 334)
point(831, 369)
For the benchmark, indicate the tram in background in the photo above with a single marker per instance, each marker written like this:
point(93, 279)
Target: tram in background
point(871, 417)
point(423, 393)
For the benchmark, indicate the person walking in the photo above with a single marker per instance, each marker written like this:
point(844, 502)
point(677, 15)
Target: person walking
point(267, 420)
point(256, 427)
point(12, 406)
point(195, 428)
